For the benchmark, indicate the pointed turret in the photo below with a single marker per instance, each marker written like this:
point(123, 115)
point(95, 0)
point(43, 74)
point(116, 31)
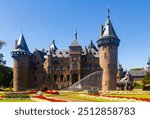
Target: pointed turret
point(75, 41)
point(22, 43)
point(92, 46)
point(53, 47)
point(108, 30)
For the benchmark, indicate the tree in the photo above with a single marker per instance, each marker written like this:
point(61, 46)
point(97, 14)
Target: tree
point(136, 69)
point(2, 62)
point(6, 73)
point(146, 79)
point(6, 76)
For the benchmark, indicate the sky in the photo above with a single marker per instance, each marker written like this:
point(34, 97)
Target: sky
point(42, 21)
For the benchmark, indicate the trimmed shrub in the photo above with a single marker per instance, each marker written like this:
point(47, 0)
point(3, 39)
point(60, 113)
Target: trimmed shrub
point(16, 95)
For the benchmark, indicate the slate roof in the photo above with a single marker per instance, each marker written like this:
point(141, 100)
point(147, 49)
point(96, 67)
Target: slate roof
point(22, 45)
point(137, 72)
point(65, 53)
point(61, 53)
point(108, 30)
point(75, 43)
point(53, 47)
point(92, 46)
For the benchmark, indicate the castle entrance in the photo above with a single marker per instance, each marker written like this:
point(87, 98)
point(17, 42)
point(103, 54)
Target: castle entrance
point(74, 78)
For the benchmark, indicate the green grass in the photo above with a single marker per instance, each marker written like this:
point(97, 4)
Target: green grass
point(75, 97)
point(92, 99)
point(131, 95)
point(15, 100)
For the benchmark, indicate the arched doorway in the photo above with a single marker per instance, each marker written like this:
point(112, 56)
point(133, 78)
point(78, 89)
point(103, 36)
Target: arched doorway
point(74, 78)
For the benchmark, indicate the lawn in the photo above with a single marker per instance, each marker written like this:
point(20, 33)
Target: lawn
point(82, 96)
point(10, 100)
point(77, 97)
point(131, 95)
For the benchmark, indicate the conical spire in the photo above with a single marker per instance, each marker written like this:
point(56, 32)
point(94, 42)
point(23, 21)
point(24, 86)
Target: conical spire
point(108, 30)
point(91, 45)
point(22, 43)
point(75, 34)
point(53, 47)
point(75, 41)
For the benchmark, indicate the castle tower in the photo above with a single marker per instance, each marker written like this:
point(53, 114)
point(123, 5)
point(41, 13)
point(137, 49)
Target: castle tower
point(148, 65)
point(75, 60)
point(108, 55)
point(21, 56)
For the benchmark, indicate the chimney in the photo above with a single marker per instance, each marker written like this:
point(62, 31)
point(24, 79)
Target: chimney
point(16, 43)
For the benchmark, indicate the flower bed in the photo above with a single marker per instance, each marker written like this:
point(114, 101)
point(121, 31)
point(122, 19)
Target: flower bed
point(32, 92)
point(111, 98)
point(51, 92)
point(1, 97)
point(48, 99)
point(16, 95)
point(140, 99)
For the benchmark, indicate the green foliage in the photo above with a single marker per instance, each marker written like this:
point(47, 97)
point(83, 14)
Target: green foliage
point(2, 62)
point(16, 95)
point(146, 79)
point(2, 43)
point(138, 85)
point(136, 69)
point(6, 76)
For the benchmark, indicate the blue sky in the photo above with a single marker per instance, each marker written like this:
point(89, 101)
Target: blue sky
point(45, 20)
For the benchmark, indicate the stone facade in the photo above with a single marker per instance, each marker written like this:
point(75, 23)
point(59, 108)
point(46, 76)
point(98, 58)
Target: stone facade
point(58, 69)
point(54, 68)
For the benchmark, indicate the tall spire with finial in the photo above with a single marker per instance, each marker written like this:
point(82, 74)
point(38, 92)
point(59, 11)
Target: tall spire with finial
point(75, 33)
point(108, 12)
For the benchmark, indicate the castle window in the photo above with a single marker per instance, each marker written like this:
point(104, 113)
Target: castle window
point(61, 77)
point(55, 77)
point(105, 55)
point(75, 65)
point(109, 66)
point(35, 57)
point(43, 78)
point(61, 68)
point(68, 67)
point(66, 52)
point(68, 77)
point(35, 79)
point(49, 77)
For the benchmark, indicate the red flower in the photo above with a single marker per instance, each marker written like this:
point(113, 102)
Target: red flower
point(33, 92)
point(51, 92)
point(48, 99)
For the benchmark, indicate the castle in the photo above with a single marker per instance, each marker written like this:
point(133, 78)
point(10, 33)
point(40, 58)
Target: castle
point(58, 69)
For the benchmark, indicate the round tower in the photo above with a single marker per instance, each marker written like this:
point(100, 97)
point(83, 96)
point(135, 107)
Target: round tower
point(21, 70)
point(108, 55)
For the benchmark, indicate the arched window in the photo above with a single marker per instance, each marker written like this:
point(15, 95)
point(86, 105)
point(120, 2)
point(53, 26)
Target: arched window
point(68, 77)
point(61, 77)
point(55, 77)
point(75, 65)
point(105, 55)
